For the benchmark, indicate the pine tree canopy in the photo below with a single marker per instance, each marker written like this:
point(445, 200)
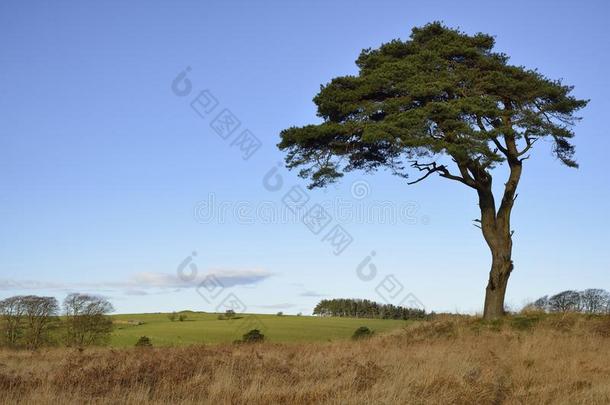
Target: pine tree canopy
point(442, 98)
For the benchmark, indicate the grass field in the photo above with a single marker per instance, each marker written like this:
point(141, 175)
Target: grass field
point(533, 359)
point(206, 328)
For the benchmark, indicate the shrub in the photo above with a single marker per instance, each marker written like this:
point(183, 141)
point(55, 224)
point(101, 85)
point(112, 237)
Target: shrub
point(253, 336)
point(182, 317)
point(362, 333)
point(524, 322)
point(144, 341)
point(442, 327)
point(229, 314)
point(280, 313)
point(494, 325)
point(172, 317)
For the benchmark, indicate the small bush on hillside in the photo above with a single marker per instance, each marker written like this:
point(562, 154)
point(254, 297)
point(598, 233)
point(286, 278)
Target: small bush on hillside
point(229, 314)
point(524, 322)
point(442, 327)
point(362, 333)
point(280, 313)
point(144, 341)
point(182, 317)
point(172, 317)
point(254, 336)
point(495, 324)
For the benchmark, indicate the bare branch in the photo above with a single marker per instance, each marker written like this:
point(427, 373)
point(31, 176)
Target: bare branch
point(442, 170)
point(529, 143)
point(428, 167)
point(500, 147)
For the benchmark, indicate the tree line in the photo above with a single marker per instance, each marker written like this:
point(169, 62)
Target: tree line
point(31, 321)
point(590, 301)
point(361, 308)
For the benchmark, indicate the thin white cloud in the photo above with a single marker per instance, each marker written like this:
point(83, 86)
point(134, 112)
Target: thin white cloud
point(135, 292)
point(8, 284)
point(277, 306)
point(312, 294)
point(139, 282)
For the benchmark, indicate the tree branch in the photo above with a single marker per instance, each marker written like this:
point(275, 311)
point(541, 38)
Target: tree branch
point(529, 143)
point(493, 138)
point(429, 168)
point(432, 167)
point(510, 187)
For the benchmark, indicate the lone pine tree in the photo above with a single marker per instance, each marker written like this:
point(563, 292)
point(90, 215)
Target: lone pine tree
point(442, 103)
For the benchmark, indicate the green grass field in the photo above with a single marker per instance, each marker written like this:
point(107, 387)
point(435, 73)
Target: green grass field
point(207, 328)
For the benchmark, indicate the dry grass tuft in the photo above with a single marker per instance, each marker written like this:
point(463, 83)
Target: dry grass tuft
point(530, 358)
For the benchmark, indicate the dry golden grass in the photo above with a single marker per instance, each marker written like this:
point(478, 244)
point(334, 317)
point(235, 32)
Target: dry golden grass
point(531, 359)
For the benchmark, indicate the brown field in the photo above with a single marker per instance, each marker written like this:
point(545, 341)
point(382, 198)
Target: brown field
point(534, 359)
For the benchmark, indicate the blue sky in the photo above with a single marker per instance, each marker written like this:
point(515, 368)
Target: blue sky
point(107, 175)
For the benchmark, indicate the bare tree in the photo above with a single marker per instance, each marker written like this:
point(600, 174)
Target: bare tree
point(595, 300)
point(39, 314)
point(87, 320)
point(565, 301)
point(12, 312)
point(542, 303)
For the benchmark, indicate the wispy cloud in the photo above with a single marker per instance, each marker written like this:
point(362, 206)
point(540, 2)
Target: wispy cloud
point(9, 284)
point(312, 294)
point(228, 278)
point(135, 292)
point(139, 282)
point(277, 306)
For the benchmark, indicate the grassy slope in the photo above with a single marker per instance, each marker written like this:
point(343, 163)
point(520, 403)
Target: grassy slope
point(532, 359)
point(207, 328)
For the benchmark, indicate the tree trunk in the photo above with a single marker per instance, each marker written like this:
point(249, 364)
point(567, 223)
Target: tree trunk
point(496, 230)
point(501, 268)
